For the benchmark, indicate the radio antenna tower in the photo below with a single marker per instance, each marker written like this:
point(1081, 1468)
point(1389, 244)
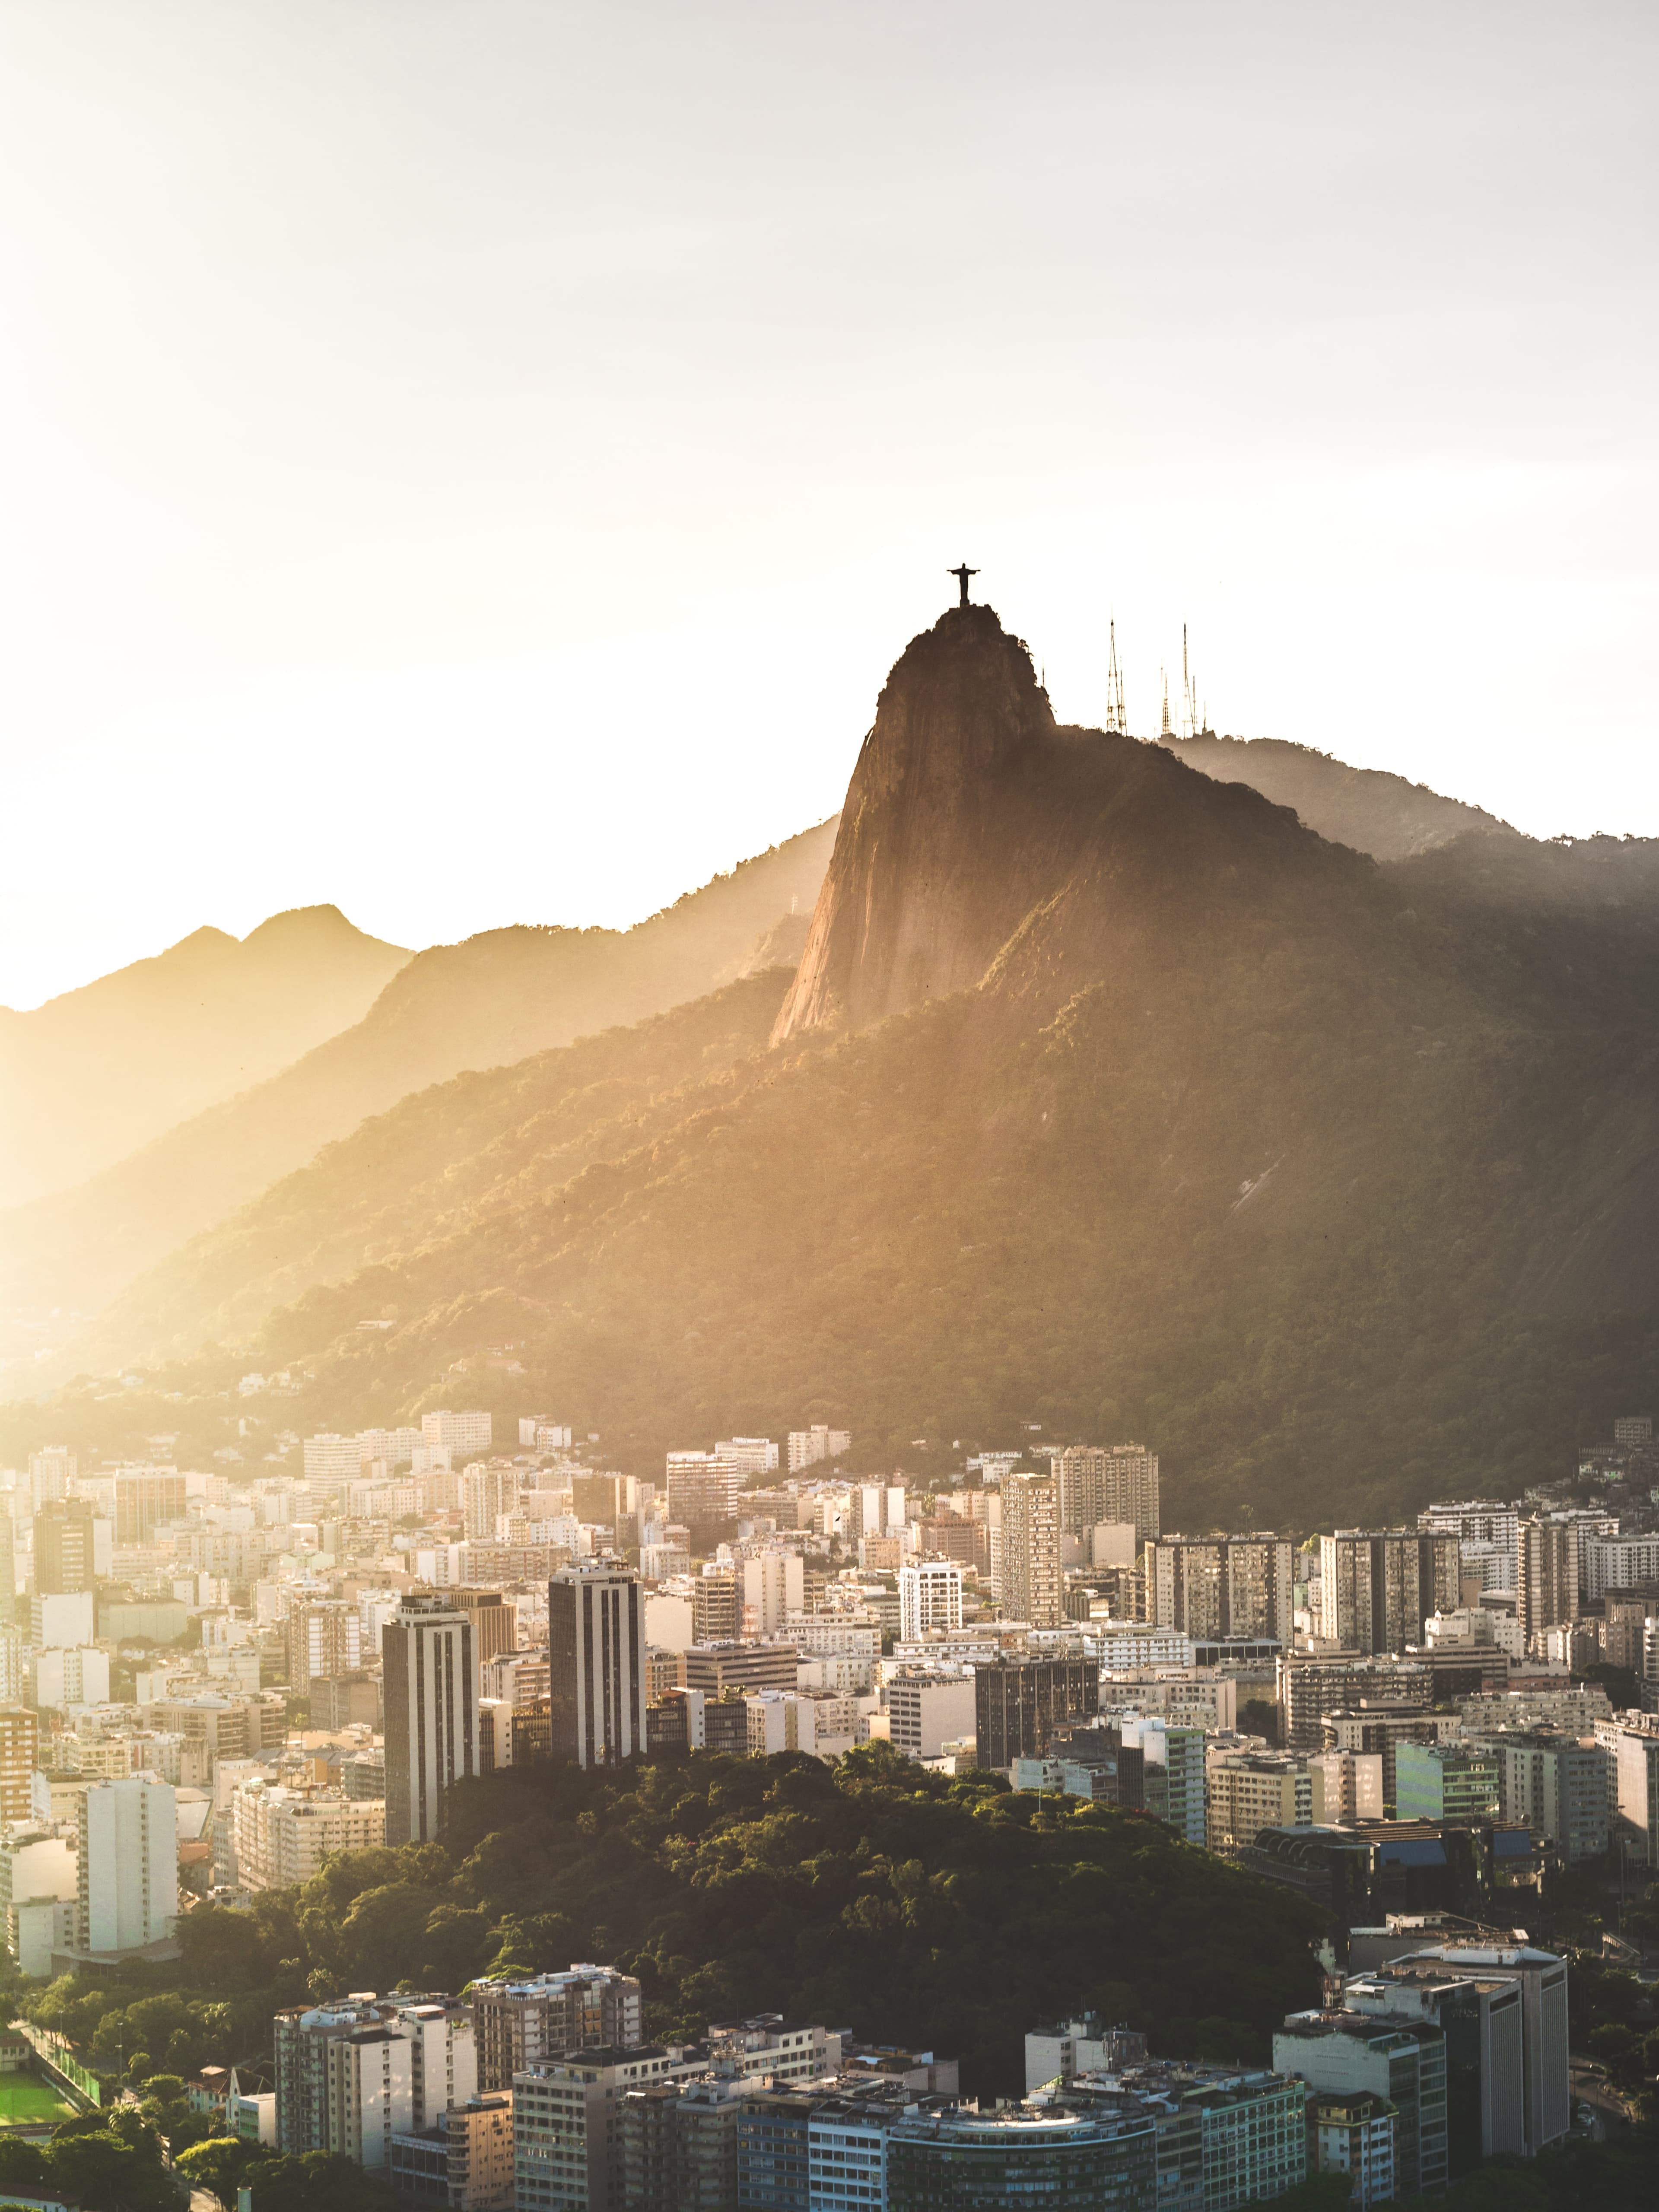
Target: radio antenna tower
point(1166, 732)
point(1117, 720)
point(1188, 712)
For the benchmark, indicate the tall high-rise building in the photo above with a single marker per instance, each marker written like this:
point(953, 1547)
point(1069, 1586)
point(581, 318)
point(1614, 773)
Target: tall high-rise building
point(431, 1697)
point(1210, 1586)
point(344, 2081)
point(1033, 1588)
point(1485, 1531)
point(1098, 1485)
point(20, 1733)
point(50, 1472)
point(596, 1663)
point(63, 1547)
point(458, 1432)
point(127, 1865)
point(811, 1447)
point(1019, 1702)
point(146, 1499)
point(495, 1622)
point(930, 1597)
point(1547, 1590)
point(1377, 1587)
point(716, 1606)
point(331, 1461)
point(702, 1488)
point(322, 1640)
point(489, 1488)
point(773, 1587)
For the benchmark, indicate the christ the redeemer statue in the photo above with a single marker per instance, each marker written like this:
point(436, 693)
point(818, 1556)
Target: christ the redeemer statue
point(962, 576)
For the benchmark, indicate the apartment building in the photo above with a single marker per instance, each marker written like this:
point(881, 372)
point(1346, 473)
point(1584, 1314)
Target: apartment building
point(462, 1433)
point(928, 1708)
point(431, 1698)
point(565, 2123)
point(1557, 1783)
point(1632, 1743)
point(1033, 1587)
point(127, 1865)
point(930, 1598)
point(1379, 1587)
point(1116, 1484)
point(1212, 1586)
point(1019, 1702)
point(1547, 1589)
point(1249, 1790)
point(1400, 2059)
point(520, 2023)
point(280, 1835)
point(1309, 1687)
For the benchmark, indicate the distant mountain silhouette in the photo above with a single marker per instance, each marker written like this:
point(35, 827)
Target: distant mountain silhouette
point(486, 1002)
point(1107, 1096)
point(1367, 808)
point(90, 1077)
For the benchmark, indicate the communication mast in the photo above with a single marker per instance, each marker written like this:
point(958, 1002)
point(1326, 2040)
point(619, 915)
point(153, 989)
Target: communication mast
point(1117, 720)
point(1166, 732)
point(1189, 724)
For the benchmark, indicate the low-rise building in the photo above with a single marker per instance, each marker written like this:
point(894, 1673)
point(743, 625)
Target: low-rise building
point(1249, 1790)
point(523, 2021)
point(1558, 1783)
point(1443, 1781)
point(280, 1835)
point(1017, 2156)
point(39, 1883)
point(928, 1708)
point(1352, 2133)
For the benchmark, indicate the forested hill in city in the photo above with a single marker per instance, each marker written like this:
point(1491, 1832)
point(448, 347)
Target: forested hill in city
point(941, 1915)
point(1106, 1095)
point(489, 1001)
point(96, 1074)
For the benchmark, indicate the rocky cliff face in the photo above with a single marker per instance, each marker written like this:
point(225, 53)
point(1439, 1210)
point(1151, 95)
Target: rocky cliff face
point(982, 842)
point(916, 901)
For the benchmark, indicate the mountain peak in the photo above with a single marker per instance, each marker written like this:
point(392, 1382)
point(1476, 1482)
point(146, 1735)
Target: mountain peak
point(960, 709)
point(960, 702)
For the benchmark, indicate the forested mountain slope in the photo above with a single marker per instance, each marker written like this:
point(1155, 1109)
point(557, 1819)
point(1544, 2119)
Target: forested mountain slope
point(1335, 1179)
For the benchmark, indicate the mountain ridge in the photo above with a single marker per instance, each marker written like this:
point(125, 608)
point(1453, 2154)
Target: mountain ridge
point(98, 1071)
point(1290, 1160)
point(492, 1000)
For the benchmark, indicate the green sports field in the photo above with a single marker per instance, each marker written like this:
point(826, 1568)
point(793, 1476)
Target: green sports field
point(25, 2101)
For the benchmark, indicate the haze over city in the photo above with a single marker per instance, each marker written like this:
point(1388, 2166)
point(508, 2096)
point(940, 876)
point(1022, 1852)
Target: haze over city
point(829, 1139)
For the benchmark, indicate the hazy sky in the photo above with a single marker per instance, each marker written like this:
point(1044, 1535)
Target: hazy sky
point(476, 462)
